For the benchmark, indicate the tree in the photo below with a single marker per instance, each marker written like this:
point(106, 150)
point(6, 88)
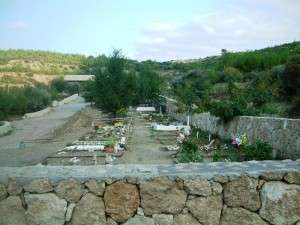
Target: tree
point(110, 85)
point(149, 84)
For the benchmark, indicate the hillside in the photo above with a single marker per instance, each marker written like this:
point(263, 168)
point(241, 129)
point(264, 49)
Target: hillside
point(260, 82)
point(27, 67)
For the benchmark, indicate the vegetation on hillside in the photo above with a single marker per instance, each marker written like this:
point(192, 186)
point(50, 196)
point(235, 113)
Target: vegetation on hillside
point(41, 62)
point(261, 82)
point(43, 56)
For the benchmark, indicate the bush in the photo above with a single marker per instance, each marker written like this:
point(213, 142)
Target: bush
point(36, 99)
point(291, 77)
point(189, 153)
point(258, 151)
point(226, 110)
point(232, 74)
point(17, 101)
point(58, 84)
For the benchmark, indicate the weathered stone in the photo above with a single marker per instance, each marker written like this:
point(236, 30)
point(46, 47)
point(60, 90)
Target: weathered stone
point(140, 220)
point(132, 180)
point(238, 216)
point(89, 210)
point(242, 193)
point(198, 186)
point(220, 179)
point(13, 188)
point(140, 211)
point(161, 195)
point(185, 211)
point(110, 221)
point(71, 190)
point(3, 192)
point(261, 183)
point(70, 211)
point(280, 203)
point(121, 201)
point(96, 187)
point(12, 211)
point(185, 219)
point(45, 209)
point(293, 177)
point(216, 188)
point(272, 176)
point(206, 209)
point(39, 186)
point(109, 181)
point(163, 219)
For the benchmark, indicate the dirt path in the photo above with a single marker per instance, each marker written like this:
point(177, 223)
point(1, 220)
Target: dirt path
point(33, 133)
point(143, 148)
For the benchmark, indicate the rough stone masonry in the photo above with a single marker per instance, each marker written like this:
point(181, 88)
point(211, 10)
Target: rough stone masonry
point(249, 193)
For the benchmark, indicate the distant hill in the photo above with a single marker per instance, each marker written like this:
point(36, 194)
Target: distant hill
point(20, 67)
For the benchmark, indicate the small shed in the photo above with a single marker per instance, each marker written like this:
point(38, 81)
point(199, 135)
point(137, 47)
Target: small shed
point(78, 78)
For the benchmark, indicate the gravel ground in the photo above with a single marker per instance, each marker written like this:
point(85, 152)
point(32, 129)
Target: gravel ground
point(144, 148)
point(34, 131)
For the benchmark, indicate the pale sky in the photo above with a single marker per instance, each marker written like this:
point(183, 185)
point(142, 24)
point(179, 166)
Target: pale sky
point(148, 29)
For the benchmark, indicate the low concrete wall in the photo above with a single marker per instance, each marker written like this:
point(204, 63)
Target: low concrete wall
point(68, 99)
point(49, 109)
point(38, 113)
point(248, 193)
point(6, 128)
point(282, 133)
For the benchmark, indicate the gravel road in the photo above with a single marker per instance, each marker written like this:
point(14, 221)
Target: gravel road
point(143, 148)
point(34, 131)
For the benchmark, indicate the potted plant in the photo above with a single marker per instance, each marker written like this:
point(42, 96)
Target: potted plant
point(109, 147)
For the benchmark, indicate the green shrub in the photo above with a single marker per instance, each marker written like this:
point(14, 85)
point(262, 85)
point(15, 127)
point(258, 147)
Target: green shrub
point(189, 153)
point(121, 112)
point(17, 101)
point(232, 74)
point(36, 98)
point(72, 88)
point(258, 151)
point(217, 156)
point(291, 77)
point(58, 84)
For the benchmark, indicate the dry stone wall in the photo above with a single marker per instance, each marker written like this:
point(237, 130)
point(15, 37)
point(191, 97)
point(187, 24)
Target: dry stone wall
point(248, 193)
point(282, 133)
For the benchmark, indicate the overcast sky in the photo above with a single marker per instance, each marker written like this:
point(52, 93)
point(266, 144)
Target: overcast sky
point(148, 29)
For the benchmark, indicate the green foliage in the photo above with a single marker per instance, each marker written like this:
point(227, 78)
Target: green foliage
point(111, 85)
point(291, 77)
point(242, 83)
point(217, 156)
point(259, 60)
point(58, 84)
point(149, 84)
point(258, 151)
point(120, 83)
point(232, 74)
point(36, 98)
point(121, 112)
point(43, 56)
point(17, 101)
point(189, 153)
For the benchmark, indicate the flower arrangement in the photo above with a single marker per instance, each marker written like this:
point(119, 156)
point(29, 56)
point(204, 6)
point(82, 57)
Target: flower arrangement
point(240, 141)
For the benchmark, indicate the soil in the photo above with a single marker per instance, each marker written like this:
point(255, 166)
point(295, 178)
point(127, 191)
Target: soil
point(144, 147)
point(34, 139)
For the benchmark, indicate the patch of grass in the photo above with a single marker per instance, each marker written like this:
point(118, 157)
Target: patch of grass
point(189, 153)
